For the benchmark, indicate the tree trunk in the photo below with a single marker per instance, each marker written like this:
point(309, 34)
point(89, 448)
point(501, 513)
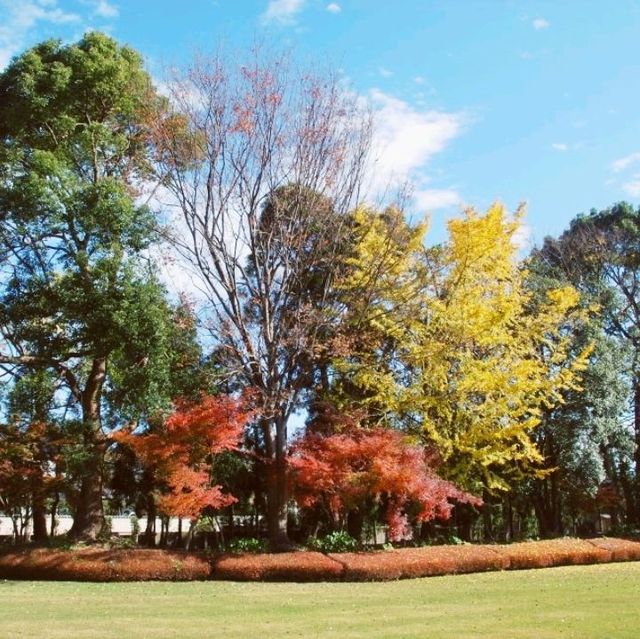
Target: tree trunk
point(150, 530)
point(635, 506)
point(39, 516)
point(276, 476)
point(88, 520)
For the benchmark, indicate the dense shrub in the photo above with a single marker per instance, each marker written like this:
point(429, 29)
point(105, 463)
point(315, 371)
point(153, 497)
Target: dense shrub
point(553, 552)
point(419, 562)
point(94, 564)
point(620, 549)
point(289, 566)
point(247, 544)
point(334, 542)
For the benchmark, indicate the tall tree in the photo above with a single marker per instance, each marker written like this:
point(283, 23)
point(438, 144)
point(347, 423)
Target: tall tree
point(600, 255)
point(265, 166)
point(74, 295)
point(449, 345)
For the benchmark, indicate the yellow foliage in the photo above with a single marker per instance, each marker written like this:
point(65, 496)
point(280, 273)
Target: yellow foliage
point(451, 344)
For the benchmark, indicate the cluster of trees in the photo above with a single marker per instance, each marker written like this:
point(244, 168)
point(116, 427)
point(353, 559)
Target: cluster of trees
point(434, 379)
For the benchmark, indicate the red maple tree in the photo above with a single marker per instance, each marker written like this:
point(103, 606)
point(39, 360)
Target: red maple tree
point(343, 471)
point(181, 453)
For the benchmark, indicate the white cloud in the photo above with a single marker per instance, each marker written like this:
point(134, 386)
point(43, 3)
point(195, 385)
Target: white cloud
point(106, 10)
point(334, 7)
point(432, 199)
point(419, 79)
point(405, 140)
point(385, 73)
point(523, 236)
point(282, 11)
point(540, 23)
point(625, 162)
point(560, 146)
point(632, 188)
point(20, 18)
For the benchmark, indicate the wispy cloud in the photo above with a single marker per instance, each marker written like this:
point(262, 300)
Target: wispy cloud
point(334, 7)
point(385, 73)
point(623, 163)
point(405, 140)
point(282, 11)
point(560, 146)
point(104, 9)
point(632, 187)
point(427, 200)
point(419, 79)
point(540, 23)
point(21, 18)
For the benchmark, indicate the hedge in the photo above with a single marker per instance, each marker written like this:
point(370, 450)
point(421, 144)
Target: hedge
point(96, 564)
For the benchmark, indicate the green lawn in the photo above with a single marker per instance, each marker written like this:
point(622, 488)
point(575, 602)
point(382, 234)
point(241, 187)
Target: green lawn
point(602, 602)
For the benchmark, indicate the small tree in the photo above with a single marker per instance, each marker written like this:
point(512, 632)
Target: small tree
point(181, 455)
point(348, 473)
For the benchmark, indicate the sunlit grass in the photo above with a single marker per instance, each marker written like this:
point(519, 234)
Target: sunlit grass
point(600, 601)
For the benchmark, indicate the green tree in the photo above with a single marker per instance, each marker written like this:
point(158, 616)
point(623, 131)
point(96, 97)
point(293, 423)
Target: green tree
point(600, 255)
point(75, 297)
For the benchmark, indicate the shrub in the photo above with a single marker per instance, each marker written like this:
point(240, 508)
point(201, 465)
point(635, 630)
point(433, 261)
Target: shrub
point(289, 566)
point(620, 549)
point(247, 544)
point(97, 564)
point(553, 552)
point(334, 542)
point(419, 562)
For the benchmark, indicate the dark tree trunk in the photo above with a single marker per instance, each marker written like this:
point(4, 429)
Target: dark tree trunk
point(547, 507)
point(150, 530)
point(355, 523)
point(88, 520)
point(54, 513)
point(39, 516)
point(276, 480)
point(635, 506)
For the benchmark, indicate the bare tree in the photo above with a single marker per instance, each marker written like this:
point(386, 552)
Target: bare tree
point(265, 164)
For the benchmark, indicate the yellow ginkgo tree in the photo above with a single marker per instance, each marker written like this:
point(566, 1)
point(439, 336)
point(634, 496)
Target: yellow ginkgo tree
point(449, 344)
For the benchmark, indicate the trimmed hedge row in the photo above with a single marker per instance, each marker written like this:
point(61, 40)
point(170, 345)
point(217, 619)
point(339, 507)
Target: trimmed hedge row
point(94, 564)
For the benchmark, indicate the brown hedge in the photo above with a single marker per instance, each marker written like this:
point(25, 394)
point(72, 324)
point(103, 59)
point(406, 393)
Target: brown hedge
point(95, 564)
point(620, 549)
point(419, 562)
point(553, 552)
point(287, 566)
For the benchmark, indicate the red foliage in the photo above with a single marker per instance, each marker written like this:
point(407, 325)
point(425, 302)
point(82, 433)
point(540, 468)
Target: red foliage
point(26, 453)
point(181, 453)
point(343, 470)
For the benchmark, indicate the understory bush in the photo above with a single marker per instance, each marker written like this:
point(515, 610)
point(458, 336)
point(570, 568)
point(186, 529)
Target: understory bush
point(247, 544)
point(340, 541)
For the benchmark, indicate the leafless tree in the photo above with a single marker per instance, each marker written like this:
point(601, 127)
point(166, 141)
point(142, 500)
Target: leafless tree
point(264, 163)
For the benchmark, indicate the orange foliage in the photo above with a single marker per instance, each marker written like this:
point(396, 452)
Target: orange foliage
point(182, 453)
point(136, 565)
point(344, 470)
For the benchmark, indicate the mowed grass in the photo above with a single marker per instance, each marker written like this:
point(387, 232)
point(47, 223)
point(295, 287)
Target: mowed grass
point(600, 601)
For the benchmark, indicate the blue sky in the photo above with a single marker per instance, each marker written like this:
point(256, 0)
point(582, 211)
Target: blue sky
point(476, 100)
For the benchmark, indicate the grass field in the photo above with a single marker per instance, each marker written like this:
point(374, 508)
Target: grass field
point(600, 601)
